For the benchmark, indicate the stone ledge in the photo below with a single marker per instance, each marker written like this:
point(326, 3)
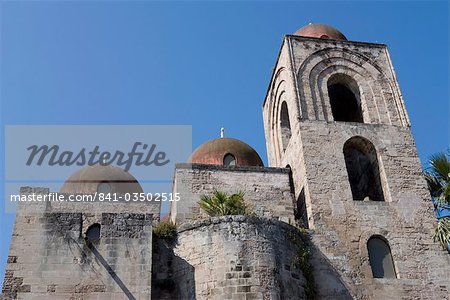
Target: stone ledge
point(329, 41)
point(354, 124)
point(238, 218)
point(248, 169)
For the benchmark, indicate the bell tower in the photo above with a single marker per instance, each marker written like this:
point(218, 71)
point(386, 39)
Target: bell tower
point(334, 115)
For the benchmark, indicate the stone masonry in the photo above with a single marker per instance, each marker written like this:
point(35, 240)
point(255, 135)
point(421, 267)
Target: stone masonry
point(266, 190)
point(341, 226)
point(262, 256)
point(237, 257)
point(50, 258)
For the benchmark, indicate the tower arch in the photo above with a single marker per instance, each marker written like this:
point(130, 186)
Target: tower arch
point(285, 126)
point(345, 100)
point(363, 169)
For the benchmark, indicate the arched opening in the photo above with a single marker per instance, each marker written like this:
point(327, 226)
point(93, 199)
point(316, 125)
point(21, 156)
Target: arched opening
point(285, 125)
point(104, 188)
point(343, 92)
point(229, 160)
point(380, 258)
point(93, 232)
point(291, 179)
point(363, 169)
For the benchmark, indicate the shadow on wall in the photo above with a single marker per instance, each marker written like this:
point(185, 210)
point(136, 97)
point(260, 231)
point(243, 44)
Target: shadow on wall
point(256, 257)
point(109, 269)
point(172, 276)
point(329, 284)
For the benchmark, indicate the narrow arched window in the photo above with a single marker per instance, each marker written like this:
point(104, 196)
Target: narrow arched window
point(93, 232)
point(104, 188)
point(380, 258)
point(363, 169)
point(291, 179)
point(285, 125)
point(345, 102)
point(229, 160)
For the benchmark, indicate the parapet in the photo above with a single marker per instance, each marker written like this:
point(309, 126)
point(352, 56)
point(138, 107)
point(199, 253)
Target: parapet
point(266, 190)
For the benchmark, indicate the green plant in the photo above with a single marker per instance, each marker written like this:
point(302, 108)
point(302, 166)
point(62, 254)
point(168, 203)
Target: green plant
point(165, 230)
point(300, 241)
point(442, 232)
point(302, 261)
point(224, 204)
point(438, 180)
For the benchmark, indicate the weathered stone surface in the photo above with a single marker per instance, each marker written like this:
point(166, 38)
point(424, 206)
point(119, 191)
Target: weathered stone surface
point(341, 226)
point(50, 258)
point(266, 190)
point(235, 257)
point(238, 257)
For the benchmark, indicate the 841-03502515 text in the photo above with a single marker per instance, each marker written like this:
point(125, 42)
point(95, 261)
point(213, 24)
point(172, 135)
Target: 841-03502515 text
point(96, 197)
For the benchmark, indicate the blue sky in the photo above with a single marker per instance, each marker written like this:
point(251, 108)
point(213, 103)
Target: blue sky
point(205, 64)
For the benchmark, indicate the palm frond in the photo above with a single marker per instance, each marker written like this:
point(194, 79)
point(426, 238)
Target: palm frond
point(442, 232)
point(438, 177)
point(434, 185)
point(440, 167)
point(223, 204)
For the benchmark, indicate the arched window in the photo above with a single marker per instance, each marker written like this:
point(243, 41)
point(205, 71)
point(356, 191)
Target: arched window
point(93, 232)
point(363, 169)
point(291, 179)
point(380, 258)
point(104, 188)
point(229, 160)
point(285, 125)
point(344, 98)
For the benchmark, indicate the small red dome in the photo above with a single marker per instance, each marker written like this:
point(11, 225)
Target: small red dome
point(320, 31)
point(226, 151)
point(99, 178)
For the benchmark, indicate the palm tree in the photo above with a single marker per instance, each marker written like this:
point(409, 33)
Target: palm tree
point(223, 204)
point(438, 179)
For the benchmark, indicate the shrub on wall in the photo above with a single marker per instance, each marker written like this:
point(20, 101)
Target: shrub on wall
point(165, 230)
point(224, 204)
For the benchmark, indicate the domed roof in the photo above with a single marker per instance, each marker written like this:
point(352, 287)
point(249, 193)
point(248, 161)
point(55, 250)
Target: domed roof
point(102, 179)
point(222, 150)
point(320, 31)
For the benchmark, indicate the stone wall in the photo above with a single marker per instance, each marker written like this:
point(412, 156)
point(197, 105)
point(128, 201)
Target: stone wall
point(406, 220)
point(341, 226)
point(237, 257)
point(266, 190)
point(315, 61)
point(49, 257)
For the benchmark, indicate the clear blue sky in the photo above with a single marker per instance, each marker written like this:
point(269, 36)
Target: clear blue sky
point(206, 64)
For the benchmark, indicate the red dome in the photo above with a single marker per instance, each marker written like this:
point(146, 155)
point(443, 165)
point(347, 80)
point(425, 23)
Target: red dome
point(320, 31)
point(90, 179)
point(214, 152)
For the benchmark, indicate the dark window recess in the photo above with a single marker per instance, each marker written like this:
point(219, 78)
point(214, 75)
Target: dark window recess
point(229, 160)
point(380, 258)
point(344, 97)
point(285, 125)
point(363, 170)
point(93, 233)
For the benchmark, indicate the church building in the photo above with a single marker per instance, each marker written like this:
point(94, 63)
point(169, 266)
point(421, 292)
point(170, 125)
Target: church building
point(342, 210)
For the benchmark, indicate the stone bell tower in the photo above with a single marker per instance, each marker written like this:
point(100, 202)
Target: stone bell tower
point(334, 114)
